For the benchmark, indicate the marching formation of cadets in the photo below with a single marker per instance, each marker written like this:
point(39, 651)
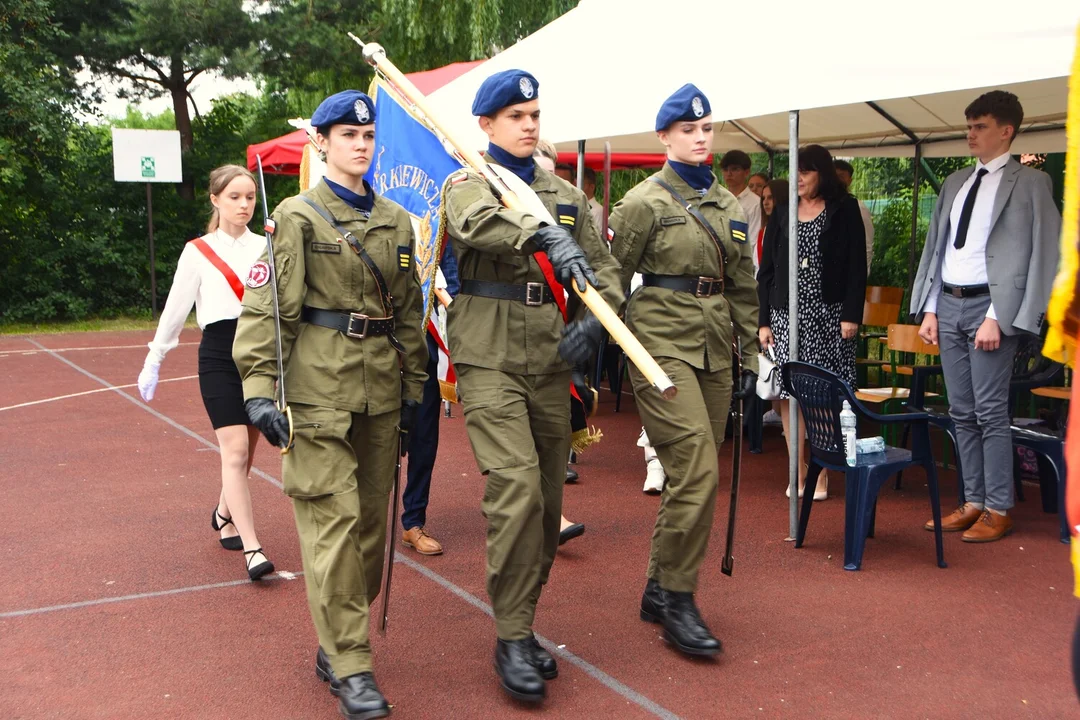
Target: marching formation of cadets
point(350, 318)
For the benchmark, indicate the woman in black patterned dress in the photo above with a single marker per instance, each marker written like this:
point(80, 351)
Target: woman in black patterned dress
point(831, 281)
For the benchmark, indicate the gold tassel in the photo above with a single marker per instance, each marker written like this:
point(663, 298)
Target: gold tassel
point(581, 440)
point(448, 391)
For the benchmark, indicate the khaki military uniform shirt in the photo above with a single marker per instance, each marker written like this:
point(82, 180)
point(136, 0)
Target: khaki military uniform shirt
point(653, 234)
point(491, 243)
point(316, 267)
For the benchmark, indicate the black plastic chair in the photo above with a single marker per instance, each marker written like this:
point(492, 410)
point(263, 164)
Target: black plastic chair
point(1050, 450)
point(1031, 369)
point(820, 395)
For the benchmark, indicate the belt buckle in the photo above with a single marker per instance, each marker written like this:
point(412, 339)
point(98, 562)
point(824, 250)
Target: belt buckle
point(534, 294)
point(957, 291)
point(354, 317)
point(704, 287)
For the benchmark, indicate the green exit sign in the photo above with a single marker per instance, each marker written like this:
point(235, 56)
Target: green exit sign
point(147, 164)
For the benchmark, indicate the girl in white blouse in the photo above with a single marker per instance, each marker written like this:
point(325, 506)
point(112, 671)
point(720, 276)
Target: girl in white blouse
point(210, 275)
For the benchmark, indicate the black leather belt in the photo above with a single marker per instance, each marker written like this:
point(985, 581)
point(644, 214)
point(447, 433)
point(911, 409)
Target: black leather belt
point(534, 293)
point(355, 325)
point(962, 291)
point(698, 286)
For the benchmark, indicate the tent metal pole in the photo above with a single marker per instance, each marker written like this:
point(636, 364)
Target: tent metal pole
point(894, 122)
point(794, 437)
point(580, 164)
point(763, 144)
point(915, 166)
point(772, 161)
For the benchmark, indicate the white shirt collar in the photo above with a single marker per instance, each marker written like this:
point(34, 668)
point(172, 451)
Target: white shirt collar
point(745, 190)
point(229, 241)
point(994, 165)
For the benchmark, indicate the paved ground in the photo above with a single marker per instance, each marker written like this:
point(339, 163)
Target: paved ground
point(119, 602)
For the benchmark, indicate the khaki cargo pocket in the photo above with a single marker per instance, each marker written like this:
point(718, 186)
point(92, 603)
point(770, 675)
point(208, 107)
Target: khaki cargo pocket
point(497, 422)
point(322, 461)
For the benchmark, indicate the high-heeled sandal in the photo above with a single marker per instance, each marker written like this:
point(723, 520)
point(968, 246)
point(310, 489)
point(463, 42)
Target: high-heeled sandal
point(263, 568)
point(229, 543)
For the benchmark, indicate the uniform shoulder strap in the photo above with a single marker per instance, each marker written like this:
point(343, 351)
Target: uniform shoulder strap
point(222, 266)
point(696, 214)
point(347, 235)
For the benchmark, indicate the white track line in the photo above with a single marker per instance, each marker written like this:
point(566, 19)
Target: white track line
point(613, 684)
point(160, 416)
point(76, 349)
point(280, 575)
point(90, 392)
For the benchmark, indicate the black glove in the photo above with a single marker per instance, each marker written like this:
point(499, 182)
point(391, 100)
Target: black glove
point(566, 256)
point(747, 385)
point(409, 409)
point(264, 415)
point(584, 391)
point(580, 339)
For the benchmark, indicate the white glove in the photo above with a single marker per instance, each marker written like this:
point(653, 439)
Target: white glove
point(148, 380)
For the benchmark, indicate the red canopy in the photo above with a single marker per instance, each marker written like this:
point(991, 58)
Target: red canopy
point(281, 156)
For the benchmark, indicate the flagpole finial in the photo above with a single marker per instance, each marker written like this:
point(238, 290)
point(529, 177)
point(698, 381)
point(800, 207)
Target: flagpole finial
point(371, 50)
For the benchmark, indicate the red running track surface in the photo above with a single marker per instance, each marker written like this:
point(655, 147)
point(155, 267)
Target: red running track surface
point(119, 602)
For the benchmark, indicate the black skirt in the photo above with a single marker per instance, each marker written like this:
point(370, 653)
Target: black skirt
point(219, 380)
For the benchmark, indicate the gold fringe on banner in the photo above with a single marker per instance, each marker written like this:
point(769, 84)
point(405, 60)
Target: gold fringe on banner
point(305, 167)
point(448, 391)
point(1064, 310)
point(585, 438)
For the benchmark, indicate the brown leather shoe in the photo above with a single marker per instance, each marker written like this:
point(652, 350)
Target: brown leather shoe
point(421, 542)
point(988, 528)
point(960, 519)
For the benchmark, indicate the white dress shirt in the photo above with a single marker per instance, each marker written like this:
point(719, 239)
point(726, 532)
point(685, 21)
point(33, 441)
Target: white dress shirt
point(197, 282)
point(967, 265)
point(751, 205)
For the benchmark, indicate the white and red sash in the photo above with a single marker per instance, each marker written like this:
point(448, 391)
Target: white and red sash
point(222, 266)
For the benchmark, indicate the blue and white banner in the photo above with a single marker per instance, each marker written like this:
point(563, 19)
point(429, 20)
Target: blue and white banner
point(409, 167)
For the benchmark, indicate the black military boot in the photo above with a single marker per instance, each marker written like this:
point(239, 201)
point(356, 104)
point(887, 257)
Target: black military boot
point(652, 603)
point(683, 626)
point(325, 672)
point(514, 664)
point(361, 699)
point(543, 661)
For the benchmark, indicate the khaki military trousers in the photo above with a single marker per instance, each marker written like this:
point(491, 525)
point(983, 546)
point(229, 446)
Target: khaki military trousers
point(339, 475)
point(687, 432)
point(519, 428)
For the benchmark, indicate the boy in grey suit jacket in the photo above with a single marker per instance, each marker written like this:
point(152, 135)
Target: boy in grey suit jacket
point(986, 273)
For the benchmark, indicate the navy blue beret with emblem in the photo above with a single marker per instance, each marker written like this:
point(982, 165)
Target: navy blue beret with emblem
point(508, 87)
point(686, 103)
point(348, 107)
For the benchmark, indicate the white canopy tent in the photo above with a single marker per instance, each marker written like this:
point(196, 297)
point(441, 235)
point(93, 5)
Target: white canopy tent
point(861, 78)
point(868, 78)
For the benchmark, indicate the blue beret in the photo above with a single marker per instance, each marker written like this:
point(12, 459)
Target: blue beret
point(686, 103)
point(348, 107)
point(508, 87)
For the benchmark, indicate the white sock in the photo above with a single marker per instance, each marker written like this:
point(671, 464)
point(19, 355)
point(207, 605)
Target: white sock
point(1002, 513)
point(977, 506)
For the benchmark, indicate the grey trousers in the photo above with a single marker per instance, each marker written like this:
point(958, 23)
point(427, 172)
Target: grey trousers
point(978, 386)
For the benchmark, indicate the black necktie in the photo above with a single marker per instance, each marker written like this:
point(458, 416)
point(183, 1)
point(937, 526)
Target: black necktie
point(965, 212)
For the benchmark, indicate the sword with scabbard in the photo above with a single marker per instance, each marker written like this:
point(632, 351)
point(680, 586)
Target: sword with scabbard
point(736, 461)
point(516, 195)
point(268, 230)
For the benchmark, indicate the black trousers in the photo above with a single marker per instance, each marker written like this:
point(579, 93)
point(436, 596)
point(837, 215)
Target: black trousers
point(423, 447)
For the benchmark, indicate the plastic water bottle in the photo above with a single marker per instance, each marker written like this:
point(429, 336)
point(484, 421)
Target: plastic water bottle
point(847, 428)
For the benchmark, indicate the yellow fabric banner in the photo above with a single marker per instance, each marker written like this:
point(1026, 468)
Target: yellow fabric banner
point(1064, 310)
